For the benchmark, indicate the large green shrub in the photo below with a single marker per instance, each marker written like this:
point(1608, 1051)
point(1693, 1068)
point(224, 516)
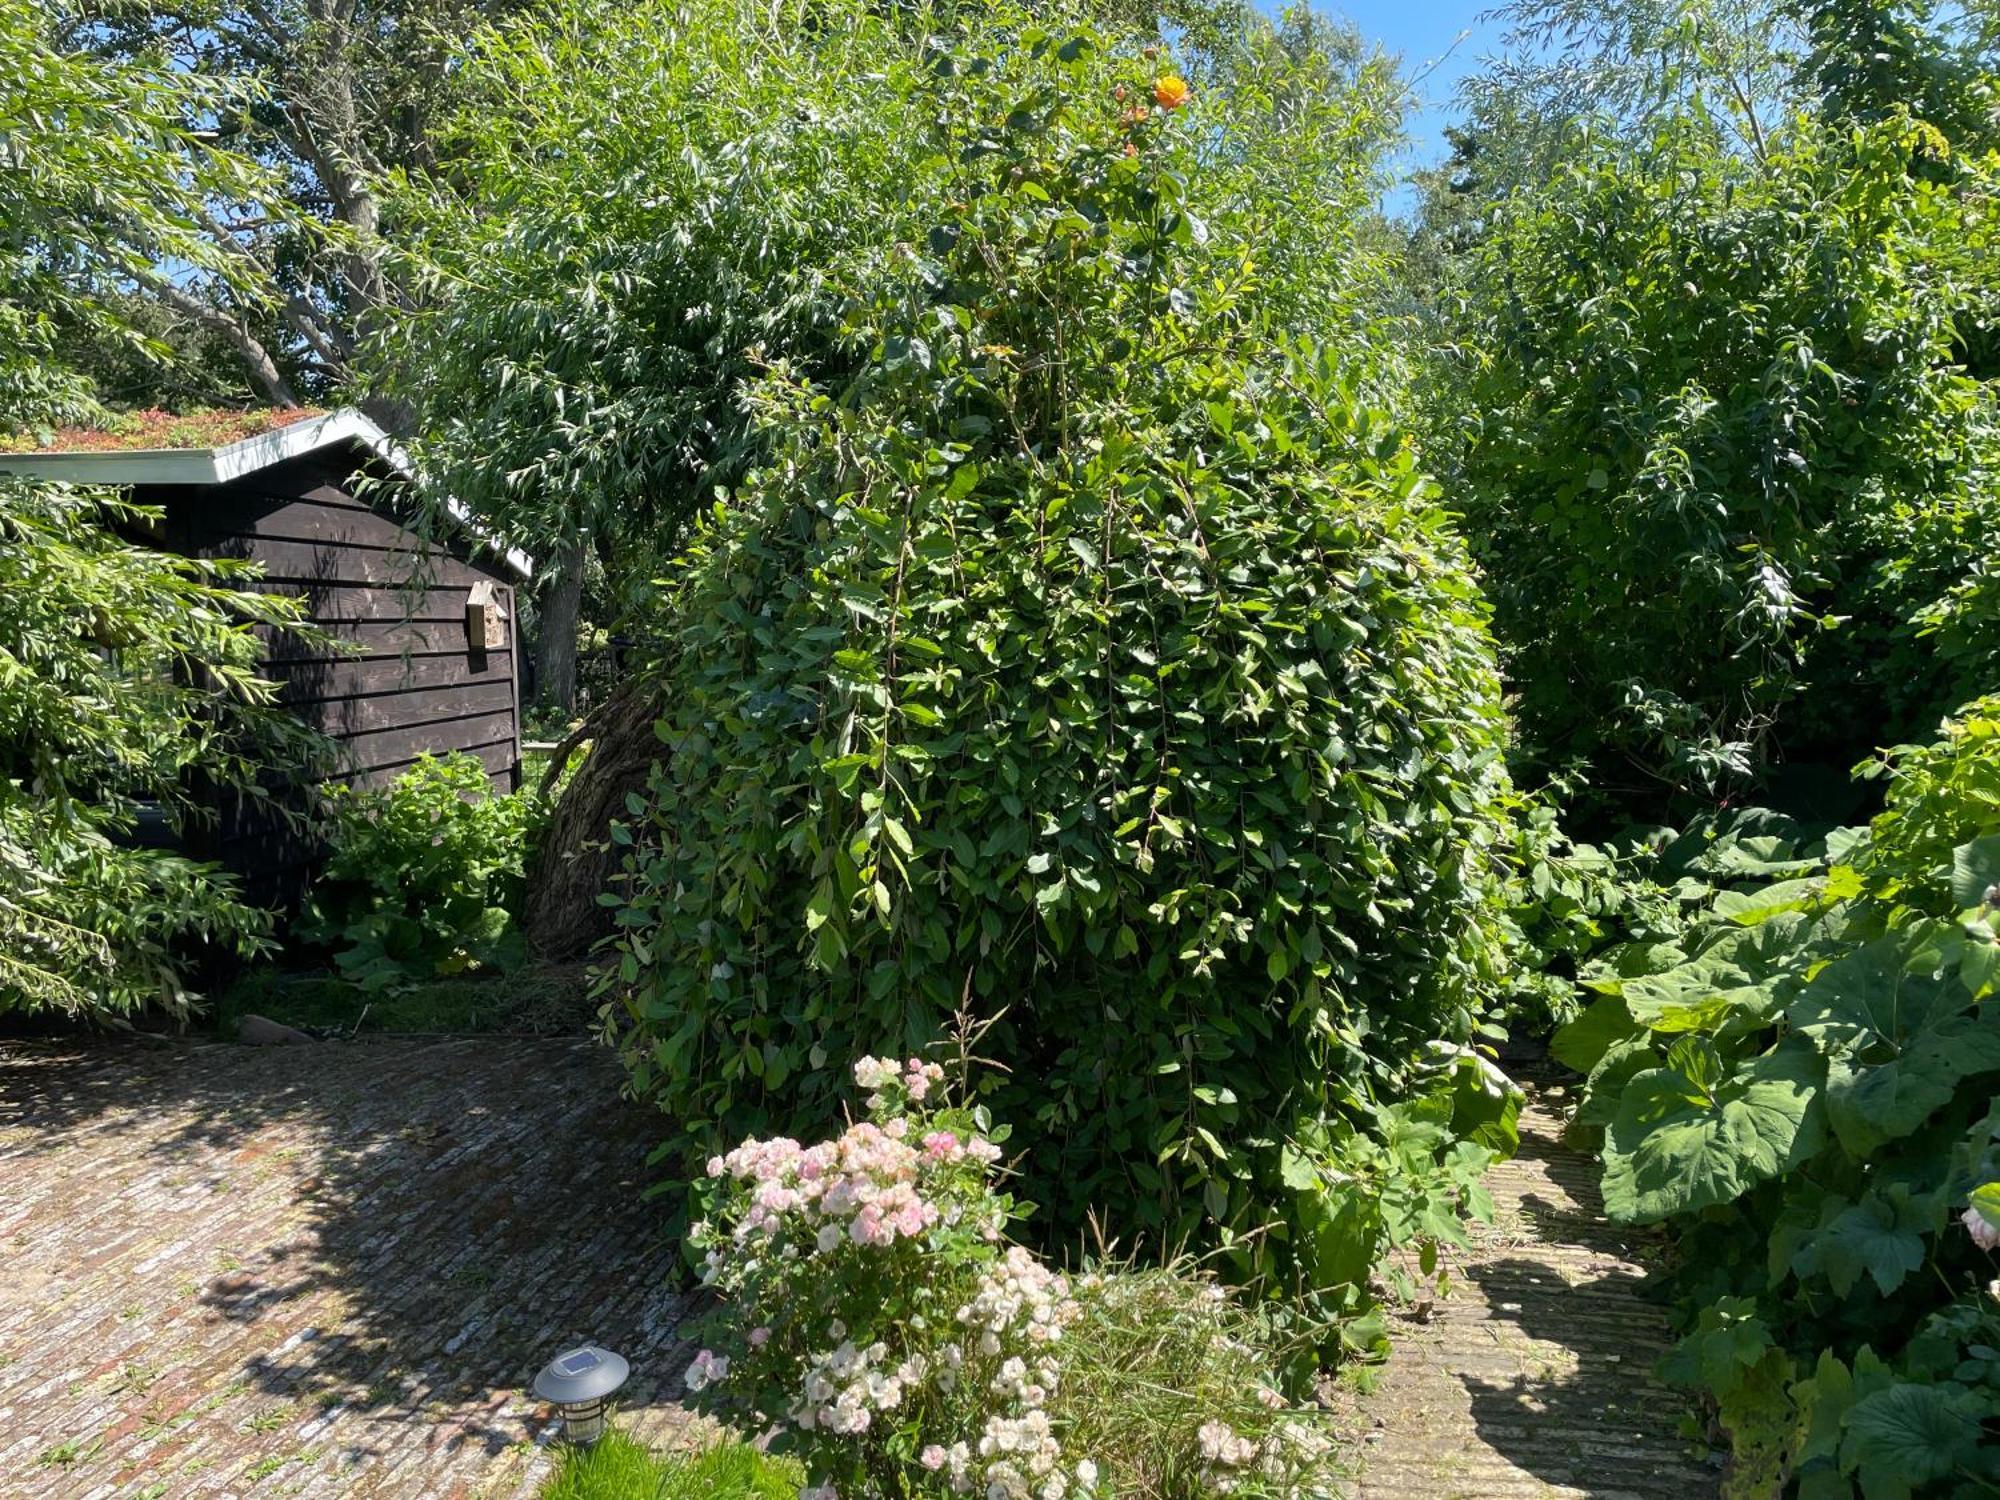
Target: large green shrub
point(1095, 659)
point(1717, 449)
point(128, 682)
point(1801, 1082)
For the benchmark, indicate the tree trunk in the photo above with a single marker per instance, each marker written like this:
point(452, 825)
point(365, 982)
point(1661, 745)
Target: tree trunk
point(257, 361)
point(555, 648)
point(575, 857)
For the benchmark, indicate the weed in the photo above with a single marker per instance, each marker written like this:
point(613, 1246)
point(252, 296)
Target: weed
point(136, 1378)
point(68, 1454)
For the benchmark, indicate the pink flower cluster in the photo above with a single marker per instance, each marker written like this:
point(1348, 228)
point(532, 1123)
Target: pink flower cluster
point(707, 1369)
point(881, 1076)
point(866, 1185)
point(862, 1185)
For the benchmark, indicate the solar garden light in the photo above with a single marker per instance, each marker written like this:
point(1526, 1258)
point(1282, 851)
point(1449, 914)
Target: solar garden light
point(580, 1382)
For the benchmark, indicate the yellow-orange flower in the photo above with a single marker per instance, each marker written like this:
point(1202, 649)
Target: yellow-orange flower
point(1170, 93)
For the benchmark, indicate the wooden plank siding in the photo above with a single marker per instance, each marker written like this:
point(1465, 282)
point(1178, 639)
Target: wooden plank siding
point(401, 678)
point(314, 679)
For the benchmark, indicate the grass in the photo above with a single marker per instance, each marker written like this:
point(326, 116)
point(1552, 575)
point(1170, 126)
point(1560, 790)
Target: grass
point(1159, 1351)
point(544, 1002)
point(620, 1469)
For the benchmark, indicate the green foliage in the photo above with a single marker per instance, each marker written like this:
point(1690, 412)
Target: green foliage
point(1726, 471)
point(128, 680)
point(1402, 1177)
point(424, 877)
point(687, 187)
point(1095, 656)
point(634, 283)
point(618, 1468)
point(109, 171)
point(1801, 1081)
point(1566, 901)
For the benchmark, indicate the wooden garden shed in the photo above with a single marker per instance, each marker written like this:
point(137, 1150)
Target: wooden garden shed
point(429, 662)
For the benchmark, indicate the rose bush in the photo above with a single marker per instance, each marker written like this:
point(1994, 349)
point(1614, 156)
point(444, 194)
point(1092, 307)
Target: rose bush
point(876, 1314)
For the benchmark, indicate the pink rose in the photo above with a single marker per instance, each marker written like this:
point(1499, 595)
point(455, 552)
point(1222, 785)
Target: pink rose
point(1984, 1235)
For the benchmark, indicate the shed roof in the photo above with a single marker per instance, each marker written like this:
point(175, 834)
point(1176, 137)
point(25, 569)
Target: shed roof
point(224, 462)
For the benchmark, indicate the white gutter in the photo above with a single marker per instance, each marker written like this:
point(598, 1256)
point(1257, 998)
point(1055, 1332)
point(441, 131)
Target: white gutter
point(232, 461)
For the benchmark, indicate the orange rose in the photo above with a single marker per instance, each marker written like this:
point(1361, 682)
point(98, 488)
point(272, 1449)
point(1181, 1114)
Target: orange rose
point(1170, 93)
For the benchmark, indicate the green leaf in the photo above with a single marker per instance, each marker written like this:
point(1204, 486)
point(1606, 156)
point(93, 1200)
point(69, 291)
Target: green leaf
point(1907, 1435)
point(1881, 1236)
point(1975, 869)
point(1674, 1148)
point(899, 836)
point(1985, 1200)
point(1737, 981)
point(1748, 908)
point(1898, 1043)
point(1728, 1340)
point(1582, 1043)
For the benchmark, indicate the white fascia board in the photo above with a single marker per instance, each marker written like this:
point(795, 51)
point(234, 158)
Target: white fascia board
point(232, 461)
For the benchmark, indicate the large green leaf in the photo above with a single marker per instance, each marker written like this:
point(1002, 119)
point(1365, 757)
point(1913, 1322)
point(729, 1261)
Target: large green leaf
point(1675, 1146)
point(1584, 1041)
point(1881, 1236)
point(1897, 1043)
point(1748, 908)
point(1737, 981)
point(1975, 869)
point(1906, 1435)
point(1621, 1063)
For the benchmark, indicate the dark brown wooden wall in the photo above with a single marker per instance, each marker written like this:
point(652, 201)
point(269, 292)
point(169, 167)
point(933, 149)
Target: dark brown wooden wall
point(409, 680)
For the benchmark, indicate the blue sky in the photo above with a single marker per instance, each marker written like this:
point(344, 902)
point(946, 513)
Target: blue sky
point(1423, 31)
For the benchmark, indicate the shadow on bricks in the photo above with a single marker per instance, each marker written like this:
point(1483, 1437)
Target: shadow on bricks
point(322, 1269)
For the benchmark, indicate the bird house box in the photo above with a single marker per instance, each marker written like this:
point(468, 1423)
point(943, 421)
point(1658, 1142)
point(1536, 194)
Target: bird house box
point(485, 618)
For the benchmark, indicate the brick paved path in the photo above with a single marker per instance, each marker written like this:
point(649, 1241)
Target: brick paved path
point(315, 1270)
point(1533, 1380)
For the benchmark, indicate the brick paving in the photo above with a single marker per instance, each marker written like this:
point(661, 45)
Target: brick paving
point(316, 1270)
point(1533, 1379)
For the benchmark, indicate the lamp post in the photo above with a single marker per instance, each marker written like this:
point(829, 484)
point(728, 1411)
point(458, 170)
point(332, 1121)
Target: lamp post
point(580, 1382)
